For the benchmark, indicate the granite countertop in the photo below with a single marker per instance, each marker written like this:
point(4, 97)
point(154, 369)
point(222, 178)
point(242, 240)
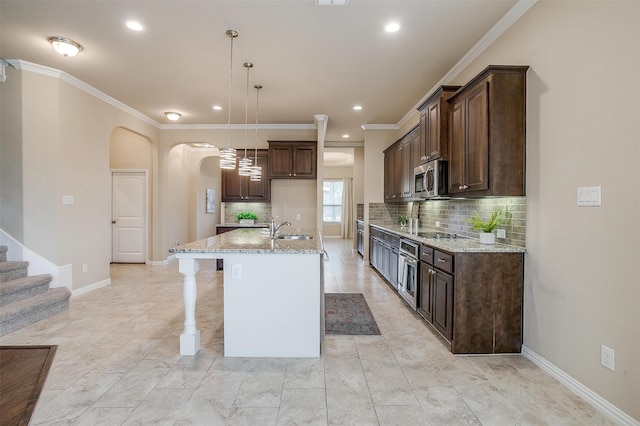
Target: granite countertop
point(456, 245)
point(243, 225)
point(254, 240)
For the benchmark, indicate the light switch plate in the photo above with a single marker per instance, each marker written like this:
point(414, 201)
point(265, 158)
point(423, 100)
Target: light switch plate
point(67, 200)
point(589, 196)
point(500, 233)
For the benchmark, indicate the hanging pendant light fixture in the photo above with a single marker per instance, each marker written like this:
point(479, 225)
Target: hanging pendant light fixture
point(244, 165)
point(256, 171)
point(228, 154)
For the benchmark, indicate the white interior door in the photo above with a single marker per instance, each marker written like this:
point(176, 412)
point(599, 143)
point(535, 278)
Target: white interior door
point(129, 217)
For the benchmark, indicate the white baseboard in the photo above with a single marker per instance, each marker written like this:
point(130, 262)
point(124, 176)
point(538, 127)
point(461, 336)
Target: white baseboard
point(167, 261)
point(91, 287)
point(607, 408)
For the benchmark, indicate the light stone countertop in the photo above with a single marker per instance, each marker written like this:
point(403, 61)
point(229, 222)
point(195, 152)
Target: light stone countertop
point(243, 225)
point(453, 245)
point(254, 240)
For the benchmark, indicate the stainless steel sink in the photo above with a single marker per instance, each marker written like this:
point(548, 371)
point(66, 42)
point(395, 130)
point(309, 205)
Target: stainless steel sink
point(294, 236)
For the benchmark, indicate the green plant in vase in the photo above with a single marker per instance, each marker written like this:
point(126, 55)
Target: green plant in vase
point(486, 227)
point(246, 217)
point(402, 219)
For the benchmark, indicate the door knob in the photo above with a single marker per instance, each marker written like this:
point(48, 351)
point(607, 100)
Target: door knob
point(113, 221)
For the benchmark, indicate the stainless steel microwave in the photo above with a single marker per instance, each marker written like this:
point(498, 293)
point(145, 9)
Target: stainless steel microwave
point(431, 179)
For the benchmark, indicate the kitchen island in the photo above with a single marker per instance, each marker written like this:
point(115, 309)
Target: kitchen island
point(273, 293)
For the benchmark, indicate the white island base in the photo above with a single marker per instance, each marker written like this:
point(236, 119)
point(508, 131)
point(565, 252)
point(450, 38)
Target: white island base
point(273, 305)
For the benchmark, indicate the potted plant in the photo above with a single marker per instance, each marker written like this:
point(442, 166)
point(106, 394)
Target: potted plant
point(246, 218)
point(403, 220)
point(486, 227)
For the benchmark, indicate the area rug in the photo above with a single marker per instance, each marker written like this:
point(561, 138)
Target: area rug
point(23, 371)
point(349, 314)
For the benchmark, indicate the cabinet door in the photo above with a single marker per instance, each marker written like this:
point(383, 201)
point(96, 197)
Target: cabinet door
point(304, 161)
point(425, 305)
point(456, 146)
point(388, 173)
point(393, 268)
point(261, 190)
point(433, 149)
point(231, 185)
point(280, 161)
point(443, 304)
point(424, 137)
point(386, 259)
point(477, 139)
point(407, 169)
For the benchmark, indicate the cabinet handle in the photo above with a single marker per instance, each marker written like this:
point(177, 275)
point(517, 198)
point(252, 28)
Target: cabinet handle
point(424, 157)
point(461, 187)
point(441, 260)
point(294, 174)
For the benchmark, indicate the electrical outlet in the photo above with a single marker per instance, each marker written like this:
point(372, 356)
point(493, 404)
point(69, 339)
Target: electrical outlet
point(607, 357)
point(236, 271)
point(500, 233)
point(437, 224)
point(177, 242)
point(85, 267)
point(298, 216)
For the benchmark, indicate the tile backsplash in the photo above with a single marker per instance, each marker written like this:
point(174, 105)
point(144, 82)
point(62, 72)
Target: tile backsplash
point(262, 210)
point(452, 214)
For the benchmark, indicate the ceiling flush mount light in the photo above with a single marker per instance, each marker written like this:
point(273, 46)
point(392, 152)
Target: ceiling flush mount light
point(172, 115)
point(357, 107)
point(134, 25)
point(64, 46)
point(228, 154)
point(244, 165)
point(346, 135)
point(217, 107)
point(392, 27)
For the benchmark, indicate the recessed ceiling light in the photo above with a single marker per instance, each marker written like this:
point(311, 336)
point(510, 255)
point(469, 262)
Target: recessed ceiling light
point(346, 135)
point(357, 107)
point(173, 116)
point(135, 26)
point(392, 27)
point(217, 107)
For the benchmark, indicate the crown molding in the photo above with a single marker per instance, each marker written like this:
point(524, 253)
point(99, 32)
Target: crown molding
point(380, 127)
point(237, 127)
point(509, 18)
point(67, 78)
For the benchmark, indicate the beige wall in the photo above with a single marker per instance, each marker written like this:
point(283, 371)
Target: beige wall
point(581, 286)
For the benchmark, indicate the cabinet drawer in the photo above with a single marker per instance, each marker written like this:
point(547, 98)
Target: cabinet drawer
point(443, 261)
point(426, 254)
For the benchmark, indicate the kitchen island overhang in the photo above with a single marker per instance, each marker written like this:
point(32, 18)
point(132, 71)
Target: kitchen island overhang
point(273, 293)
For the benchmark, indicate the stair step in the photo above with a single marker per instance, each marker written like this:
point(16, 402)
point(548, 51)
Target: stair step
point(3, 253)
point(23, 288)
point(25, 312)
point(13, 269)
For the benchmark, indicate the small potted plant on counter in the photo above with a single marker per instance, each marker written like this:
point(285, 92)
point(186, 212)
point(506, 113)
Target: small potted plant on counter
point(403, 220)
point(246, 218)
point(486, 227)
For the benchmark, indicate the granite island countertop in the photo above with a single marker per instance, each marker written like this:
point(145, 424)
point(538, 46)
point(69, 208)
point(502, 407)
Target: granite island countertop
point(243, 225)
point(254, 240)
point(453, 245)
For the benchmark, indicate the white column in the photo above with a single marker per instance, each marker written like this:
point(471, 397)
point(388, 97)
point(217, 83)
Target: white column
point(190, 337)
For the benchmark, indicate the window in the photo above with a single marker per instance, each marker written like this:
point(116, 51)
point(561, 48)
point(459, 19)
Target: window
point(332, 201)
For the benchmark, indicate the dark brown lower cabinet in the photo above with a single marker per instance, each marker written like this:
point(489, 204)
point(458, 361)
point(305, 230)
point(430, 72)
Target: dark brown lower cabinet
point(474, 300)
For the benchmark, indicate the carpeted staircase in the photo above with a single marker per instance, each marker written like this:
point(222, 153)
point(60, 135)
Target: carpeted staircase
point(26, 299)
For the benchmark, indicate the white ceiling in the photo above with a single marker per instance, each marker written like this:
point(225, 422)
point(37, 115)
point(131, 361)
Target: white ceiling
point(310, 59)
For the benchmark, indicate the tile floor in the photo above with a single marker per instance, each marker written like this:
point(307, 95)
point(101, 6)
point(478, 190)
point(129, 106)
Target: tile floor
point(118, 363)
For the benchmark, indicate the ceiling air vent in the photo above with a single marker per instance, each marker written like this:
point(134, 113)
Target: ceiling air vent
point(330, 2)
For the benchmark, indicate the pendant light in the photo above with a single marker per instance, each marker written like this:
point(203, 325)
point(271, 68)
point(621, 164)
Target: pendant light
point(244, 165)
point(256, 171)
point(228, 154)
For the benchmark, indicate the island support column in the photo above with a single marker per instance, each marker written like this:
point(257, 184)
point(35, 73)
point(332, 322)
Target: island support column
point(190, 337)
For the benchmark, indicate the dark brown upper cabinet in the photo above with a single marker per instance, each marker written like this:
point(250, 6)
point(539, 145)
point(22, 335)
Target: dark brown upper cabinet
point(434, 126)
point(236, 188)
point(487, 134)
point(292, 160)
